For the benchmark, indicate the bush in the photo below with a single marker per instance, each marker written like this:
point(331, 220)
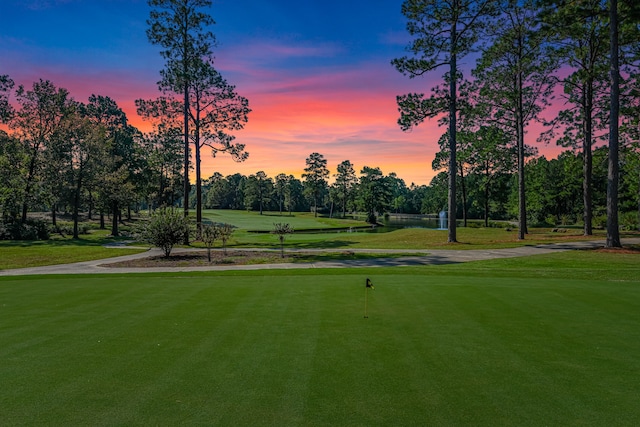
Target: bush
point(629, 221)
point(210, 233)
point(600, 221)
point(30, 230)
point(281, 230)
point(166, 228)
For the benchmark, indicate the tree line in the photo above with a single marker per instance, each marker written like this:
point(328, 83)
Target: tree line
point(372, 192)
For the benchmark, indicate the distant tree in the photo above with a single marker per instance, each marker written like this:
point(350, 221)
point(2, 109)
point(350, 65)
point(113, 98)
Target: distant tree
point(444, 32)
point(374, 193)
point(180, 28)
point(415, 195)
point(491, 157)
point(280, 189)
point(258, 189)
point(315, 175)
point(345, 183)
point(434, 198)
point(294, 195)
point(399, 192)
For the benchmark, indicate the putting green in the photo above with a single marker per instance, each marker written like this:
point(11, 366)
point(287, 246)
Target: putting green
point(293, 348)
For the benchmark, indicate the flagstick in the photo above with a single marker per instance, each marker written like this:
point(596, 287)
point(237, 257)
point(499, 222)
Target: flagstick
point(366, 291)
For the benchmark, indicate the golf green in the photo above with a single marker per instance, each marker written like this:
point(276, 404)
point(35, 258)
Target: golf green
point(294, 348)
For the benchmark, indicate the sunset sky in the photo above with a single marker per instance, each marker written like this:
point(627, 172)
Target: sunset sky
point(317, 74)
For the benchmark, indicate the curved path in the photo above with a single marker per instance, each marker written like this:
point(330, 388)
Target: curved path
point(430, 257)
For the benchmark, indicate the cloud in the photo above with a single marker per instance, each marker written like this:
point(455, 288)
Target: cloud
point(44, 4)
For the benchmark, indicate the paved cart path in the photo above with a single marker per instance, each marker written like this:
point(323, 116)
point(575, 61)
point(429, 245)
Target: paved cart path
point(430, 257)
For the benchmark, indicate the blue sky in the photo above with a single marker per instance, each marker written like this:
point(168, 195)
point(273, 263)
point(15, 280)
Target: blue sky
point(317, 74)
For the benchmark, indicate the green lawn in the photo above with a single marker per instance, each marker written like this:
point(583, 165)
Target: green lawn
point(250, 220)
point(411, 238)
point(18, 254)
point(548, 340)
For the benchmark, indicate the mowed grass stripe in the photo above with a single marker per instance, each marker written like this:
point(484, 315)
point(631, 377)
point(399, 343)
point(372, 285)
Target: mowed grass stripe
point(295, 349)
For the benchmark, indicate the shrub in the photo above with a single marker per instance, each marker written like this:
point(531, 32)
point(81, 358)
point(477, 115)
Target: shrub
point(226, 230)
point(600, 221)
point(281, 230)
point(31, 229)
point(166, 228)
point(629, 221)
point(210, 233)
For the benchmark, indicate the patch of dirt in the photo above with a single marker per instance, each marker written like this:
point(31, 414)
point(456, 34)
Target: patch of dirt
point(200, 259)
point(624, 250)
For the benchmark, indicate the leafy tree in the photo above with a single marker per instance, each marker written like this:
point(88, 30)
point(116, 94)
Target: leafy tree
point(227, 193)
point(315, 175)
point(345, 183)
point(399, 192)
point(13, 162)
point(491, 157)
point(42, 110)
point(83, 141)
point(515, 77)
point(281, 230)
point(554, 188)
point(179, 27)
point(6, 110)
point(165, 229)
point(162, 175)
point(434, 198)
point(258, 189)
point(415, 195)
point(294, 195)
point(444, 33)
point(120, 162)
point(280, 189)
point(374, 193)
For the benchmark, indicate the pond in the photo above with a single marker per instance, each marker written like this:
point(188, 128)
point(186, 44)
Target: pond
point(385, 225)
point(393, 222)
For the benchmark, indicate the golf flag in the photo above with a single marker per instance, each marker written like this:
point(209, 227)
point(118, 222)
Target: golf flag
point(369, 284)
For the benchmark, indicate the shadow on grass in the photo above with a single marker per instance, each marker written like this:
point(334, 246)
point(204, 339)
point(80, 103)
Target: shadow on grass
point(325, 244)
point(60, 242)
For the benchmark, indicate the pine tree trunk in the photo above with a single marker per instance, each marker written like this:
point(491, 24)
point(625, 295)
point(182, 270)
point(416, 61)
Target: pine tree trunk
point(522, 203)
point(185, 69)
point(613, 232)
point(463, 187)
point(452, 238)
point(114, 219)
point(587, 154)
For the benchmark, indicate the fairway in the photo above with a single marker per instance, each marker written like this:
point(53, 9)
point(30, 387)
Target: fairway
point(293, 348)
